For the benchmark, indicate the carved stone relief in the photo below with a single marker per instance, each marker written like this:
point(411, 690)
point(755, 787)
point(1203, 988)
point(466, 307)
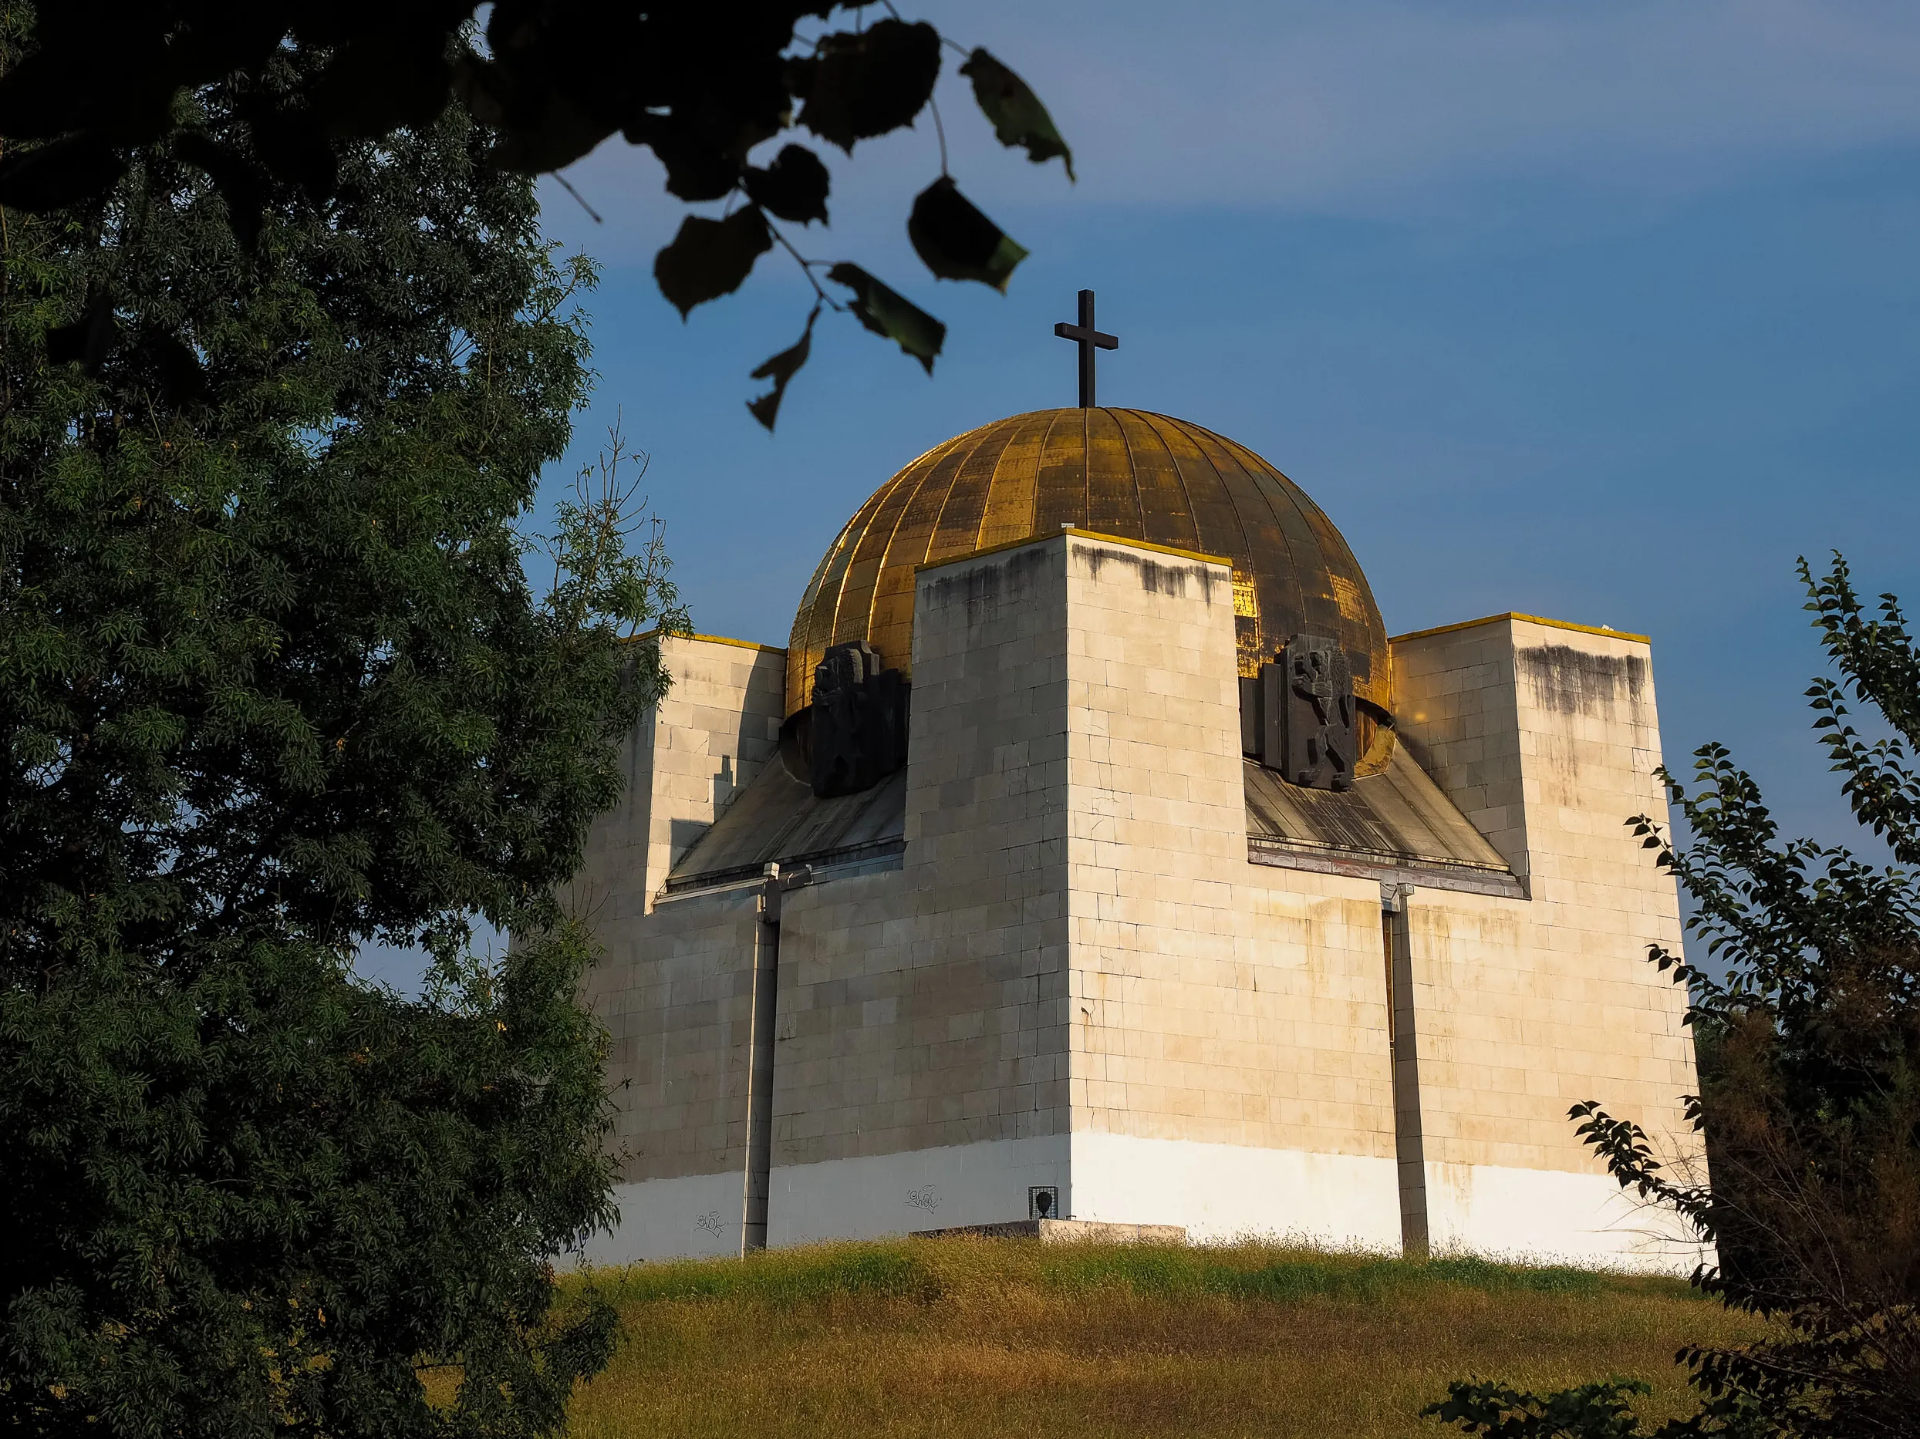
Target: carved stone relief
point(858, 732)
point(1298, 715)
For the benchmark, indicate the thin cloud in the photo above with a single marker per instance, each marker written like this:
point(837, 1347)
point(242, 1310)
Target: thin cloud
point(1372, 109)
point(1328, 107)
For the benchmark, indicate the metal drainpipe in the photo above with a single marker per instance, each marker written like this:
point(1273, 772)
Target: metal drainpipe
point(758, 1176)
point(1409, 1138)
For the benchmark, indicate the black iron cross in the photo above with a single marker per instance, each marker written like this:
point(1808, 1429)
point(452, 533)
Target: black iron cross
point(1089, 340)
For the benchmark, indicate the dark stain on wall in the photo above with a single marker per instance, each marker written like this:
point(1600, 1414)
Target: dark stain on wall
point(1155, 577)
point(1575, 682)
point(981, 587)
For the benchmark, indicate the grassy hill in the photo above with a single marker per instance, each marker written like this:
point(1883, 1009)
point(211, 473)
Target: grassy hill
point(1000, 1337)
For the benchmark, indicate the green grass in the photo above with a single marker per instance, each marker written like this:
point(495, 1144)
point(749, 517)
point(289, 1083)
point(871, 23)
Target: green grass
point(991, 1337)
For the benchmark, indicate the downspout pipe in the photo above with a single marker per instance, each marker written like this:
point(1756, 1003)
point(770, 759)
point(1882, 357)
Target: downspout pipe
point(757, 1178)
point(1403, 1041)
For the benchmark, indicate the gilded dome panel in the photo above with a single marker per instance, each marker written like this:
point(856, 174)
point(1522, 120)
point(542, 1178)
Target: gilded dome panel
point(1129, 473)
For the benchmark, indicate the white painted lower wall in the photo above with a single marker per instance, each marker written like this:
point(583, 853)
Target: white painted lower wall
point(881, 1194)
point(694, 1217)
point(1545, 1216)
point(1219, 1192)
point(1224, 1192)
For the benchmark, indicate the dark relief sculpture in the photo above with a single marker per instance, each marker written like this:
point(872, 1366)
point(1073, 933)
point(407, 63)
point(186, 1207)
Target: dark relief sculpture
point(1298, 715)
point(858, 732)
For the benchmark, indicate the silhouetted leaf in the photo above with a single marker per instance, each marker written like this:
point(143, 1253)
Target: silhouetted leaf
point(780, 369)
point(888, 313)
point(548, 136)
point(380, 82)
point(957, 241)
point(696, 170)
point(480, 85)
point(247, 35)
point(61, 173)
point(46, 95)
point(1016, 112)
point(240, 183)
point(865, 84)
point(87, 340)
point(113, 91)
point(292, 146)
point(794, 186)
point(298, 81)
point(709, 258)
point(174, 368)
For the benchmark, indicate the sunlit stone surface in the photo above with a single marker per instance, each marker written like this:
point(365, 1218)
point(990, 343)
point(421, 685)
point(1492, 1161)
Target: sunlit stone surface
point(1081, 959)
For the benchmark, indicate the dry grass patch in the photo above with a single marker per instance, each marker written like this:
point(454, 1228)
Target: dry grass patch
point(992, 1337)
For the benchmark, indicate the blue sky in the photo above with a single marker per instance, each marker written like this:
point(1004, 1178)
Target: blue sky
point(1604, 312)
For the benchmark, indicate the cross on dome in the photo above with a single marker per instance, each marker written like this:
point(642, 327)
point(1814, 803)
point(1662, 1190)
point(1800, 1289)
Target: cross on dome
point(1089, 339)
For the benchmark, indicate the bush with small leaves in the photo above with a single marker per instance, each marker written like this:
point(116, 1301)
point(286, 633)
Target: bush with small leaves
point(1809, 1049)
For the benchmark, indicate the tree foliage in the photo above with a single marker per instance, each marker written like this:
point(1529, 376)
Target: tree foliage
point(1808, 1048)
point(1601, 1410)
point(273, 683)
point(706, 87)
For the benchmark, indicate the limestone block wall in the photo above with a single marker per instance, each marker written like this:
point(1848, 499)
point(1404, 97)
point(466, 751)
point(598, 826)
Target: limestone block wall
point(920, 1076)
point(1295, 1135)
point(674, 986)
point(1547, 736)
point(1156, 817)
point(690, 754)
point(1455, 708)
point(1229, 1052)
point(1078, 980)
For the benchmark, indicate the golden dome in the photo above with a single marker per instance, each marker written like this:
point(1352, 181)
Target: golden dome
point(1130, 473)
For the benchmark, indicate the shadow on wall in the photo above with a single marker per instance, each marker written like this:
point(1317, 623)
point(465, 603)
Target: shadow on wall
point(685, 833)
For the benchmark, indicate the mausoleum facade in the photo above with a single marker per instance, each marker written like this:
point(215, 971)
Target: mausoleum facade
point(1090, 853)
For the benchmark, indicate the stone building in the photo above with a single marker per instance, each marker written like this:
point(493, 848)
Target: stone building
point(1090, 853)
